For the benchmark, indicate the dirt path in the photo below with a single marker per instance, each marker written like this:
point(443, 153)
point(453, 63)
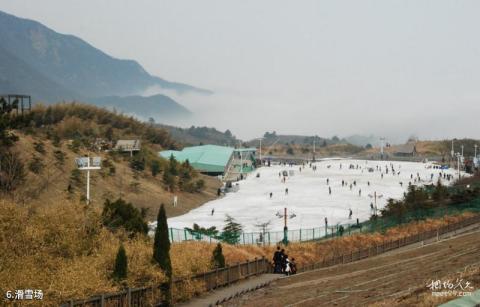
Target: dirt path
point(402, 274)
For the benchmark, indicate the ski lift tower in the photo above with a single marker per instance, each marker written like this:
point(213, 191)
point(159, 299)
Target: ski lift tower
point(88, 164)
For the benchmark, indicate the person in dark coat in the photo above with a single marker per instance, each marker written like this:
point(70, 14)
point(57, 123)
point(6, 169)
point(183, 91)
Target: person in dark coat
point(277, 261)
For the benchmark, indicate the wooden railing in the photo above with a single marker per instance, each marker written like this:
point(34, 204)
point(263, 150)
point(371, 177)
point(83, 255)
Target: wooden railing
point(154, 296)
point(389, 245)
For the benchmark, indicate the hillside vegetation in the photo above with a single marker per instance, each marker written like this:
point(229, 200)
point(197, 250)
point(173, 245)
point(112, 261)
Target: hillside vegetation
point(51, 137)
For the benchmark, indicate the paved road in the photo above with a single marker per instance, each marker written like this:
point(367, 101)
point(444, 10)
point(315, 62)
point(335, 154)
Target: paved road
point(221, 293)
point(398, 276)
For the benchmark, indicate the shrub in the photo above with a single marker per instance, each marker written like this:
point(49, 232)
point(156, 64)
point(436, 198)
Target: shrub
point(120, 214)
point(199, 185)
point(59, 156)
point(218, 260)
point(121, 264)
point(36, 166)
point(75, 176)
point(39, 147)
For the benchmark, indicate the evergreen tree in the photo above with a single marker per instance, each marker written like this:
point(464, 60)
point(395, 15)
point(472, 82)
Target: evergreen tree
point(121, 264)
point(161, 251)
point(218, 260)
point(155, 167)
point(231, 231)
point(173, 166)
point(440, 192)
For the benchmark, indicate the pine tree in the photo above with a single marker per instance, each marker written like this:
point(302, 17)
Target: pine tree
point(218, 260)
point(121, 264)
point(161, 251)
point(231, 231)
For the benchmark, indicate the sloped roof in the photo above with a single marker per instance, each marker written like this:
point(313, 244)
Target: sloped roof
point(127, 144)
point(406, 148)
point(206, 158)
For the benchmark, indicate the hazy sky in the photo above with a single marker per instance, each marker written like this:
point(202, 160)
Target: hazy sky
point(391, 68)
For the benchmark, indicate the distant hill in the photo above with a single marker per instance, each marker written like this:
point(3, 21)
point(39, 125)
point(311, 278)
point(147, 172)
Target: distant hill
point(201, 135)
point(362, 140)
point(16, 76)
point(158, 106)
point(271, 138)
point(74, 64)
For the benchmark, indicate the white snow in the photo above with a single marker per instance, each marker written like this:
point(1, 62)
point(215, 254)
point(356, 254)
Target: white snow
point(308, 195)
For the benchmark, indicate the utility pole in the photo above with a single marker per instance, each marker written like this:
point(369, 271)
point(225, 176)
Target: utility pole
point(84, 164)
point(462, 150)
point(476, 150)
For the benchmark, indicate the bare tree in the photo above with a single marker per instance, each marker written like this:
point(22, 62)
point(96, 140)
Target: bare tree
point(264, 230)
point(12, 171)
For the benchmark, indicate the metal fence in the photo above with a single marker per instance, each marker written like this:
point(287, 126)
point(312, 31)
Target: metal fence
point(271, 237)
point(319, 233)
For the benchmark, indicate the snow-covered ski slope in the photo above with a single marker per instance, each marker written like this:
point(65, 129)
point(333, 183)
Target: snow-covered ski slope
point(308, 194)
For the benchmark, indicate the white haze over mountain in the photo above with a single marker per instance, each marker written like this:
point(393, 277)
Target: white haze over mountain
point(391, 68)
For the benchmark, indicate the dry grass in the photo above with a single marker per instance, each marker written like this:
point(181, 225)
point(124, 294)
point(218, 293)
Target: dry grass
point(50, 186)
point(304, 253)
point(63, 250)
point(422, 295)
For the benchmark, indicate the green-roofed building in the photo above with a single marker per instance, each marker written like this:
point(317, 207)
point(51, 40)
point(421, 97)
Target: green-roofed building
point(210, 159)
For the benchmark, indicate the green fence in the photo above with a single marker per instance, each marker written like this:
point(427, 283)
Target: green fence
point(320, 233)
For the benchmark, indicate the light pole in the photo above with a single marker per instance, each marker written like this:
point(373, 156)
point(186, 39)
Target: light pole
point(476, 150)
point(458, 164)
point(88, 164)
point(462, 150)
point(285, 228)
point(374, 196)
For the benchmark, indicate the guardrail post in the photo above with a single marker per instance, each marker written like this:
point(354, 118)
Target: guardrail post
point(239, 272)
point(228, 275)
point(256, 266)
point(102, 300)
point(129, 297)
point(71, 303)
point(264, 266)
point(216, 278)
